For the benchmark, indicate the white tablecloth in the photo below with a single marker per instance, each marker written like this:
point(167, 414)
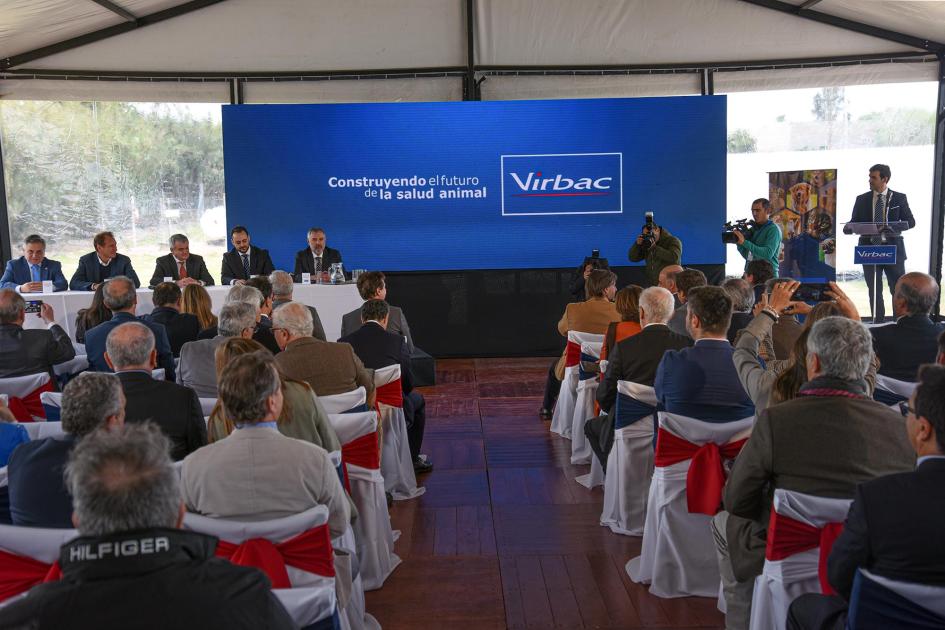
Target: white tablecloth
point(331, 301)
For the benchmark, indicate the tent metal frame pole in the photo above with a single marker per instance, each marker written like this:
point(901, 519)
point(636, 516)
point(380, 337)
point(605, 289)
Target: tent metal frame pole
point(6, 246)
point(470, 87)
point(127, 15)
point(938, 185)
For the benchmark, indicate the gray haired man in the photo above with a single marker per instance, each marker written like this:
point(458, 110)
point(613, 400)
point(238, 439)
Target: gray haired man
point(824, 442)
point(128, 511)
point(282, 287)
point(197, 368)
point(180, 265)
point(38, 497)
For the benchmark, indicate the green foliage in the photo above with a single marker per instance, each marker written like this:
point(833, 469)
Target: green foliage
point(901, 127)
point(741, 141)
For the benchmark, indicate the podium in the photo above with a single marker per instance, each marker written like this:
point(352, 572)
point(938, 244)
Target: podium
point(881, 250)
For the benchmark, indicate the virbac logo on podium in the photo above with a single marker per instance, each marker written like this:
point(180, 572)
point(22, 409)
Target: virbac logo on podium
point(562, 183)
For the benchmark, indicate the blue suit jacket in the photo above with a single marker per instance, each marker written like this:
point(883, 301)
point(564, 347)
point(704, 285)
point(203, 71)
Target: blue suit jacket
point(701, 382)
point(38, 494)
point(87, 272)
point(18, 272)
point(95, 343)
point(897, 209)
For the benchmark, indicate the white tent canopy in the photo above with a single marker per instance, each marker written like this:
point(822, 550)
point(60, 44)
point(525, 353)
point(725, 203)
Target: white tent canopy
point(657, 46)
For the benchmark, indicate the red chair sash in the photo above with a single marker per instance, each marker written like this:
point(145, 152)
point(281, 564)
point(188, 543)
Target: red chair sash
point(572, 354)
point(706, 476)
point(391, 394)
point(19, 574)
point(363, 452)
point(788, 536)
point(309, 551)
point(25, 408)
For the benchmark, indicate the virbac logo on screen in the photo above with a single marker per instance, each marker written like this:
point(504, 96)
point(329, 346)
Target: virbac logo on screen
point(562, 183)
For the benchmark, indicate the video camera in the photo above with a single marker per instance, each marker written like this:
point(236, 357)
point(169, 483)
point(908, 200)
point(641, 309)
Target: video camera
point(742, 225)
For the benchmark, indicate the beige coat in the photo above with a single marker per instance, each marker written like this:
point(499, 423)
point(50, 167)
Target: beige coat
point(330, 368)
point(592, 316)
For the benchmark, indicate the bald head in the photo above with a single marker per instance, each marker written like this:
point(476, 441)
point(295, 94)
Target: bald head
point(667, 278)
point(130, 347)
point(916, 294)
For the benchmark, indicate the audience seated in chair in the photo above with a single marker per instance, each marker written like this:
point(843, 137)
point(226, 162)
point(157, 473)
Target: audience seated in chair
point(197, 368)
point(377, 348)
point(824, 442)
point(757, 274)
point(38, 495)
point(282, 288)
point(12, 434)
point(256, 473)
point(262, 328)
point(785, 331)
point(372, 286)
point(90, 317)
point(328, 367)
point(175, 409)
point(627, 303)
point(29, 351)
point(909, 342)
point(634, 359)
point(743, 300)
point(896, 523)
point(686, 280)
point(196, 301)
point(667, 280)
point(592, 316)
point(181, 327)
point(121, 299)
point(127, 497)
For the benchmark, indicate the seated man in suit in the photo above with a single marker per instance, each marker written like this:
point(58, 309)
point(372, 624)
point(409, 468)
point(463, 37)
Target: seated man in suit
point(244, 261)
point(911, 341)
point(329, 368)
point(256, 473)
point(197, 368)
point(180, 265)
point(30, 351)
point(262, 331)
point(282, 286)
point(127, 499)
point(686, 281)
point(121, 299)
point(27, 273)
point(38, 495)
point(102, 264)
point(377, 347)
point(130, 351)
point(634, 359)
point(317, 258)
point(667, 278)
point(701, 382)
point(181, 327)
point(743, 300)
point(894, 528)
point(371, 286)
point(824, 442)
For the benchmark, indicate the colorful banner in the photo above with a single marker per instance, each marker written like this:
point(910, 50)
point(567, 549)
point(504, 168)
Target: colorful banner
point(805, 207)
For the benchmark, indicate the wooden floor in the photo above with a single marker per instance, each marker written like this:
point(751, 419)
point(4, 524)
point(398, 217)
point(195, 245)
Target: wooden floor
point(504, 537)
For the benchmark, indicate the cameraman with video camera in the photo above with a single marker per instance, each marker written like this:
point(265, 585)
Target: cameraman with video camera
point(658, 247)
point(759, 239)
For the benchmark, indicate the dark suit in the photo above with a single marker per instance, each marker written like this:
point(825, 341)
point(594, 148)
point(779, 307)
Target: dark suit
point(38, 495)
point(180, 327)
point(318, 331)
point(173, 407)
point(32, 351)
point(90, 271)
point(396, 323)
point(305, 263)
point(378, 348)
point(95, 343)
point(897, 209)
point(260, 264)
point(905, 345)
point(739, 321)
point(701, 382)
point(18, 272)
point(166, 267)
point(895, 529)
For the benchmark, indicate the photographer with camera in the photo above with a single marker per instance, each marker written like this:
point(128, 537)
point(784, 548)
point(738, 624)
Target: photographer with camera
point(658, 247)
point(759, 239)
point(592, 262)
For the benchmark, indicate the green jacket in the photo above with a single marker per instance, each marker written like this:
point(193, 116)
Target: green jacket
point(665, 252)
point(765, 243)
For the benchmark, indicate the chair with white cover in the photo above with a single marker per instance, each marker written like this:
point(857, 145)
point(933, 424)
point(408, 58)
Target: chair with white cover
point(879, 602)
point(4, 400)
point(29, 556)
point(207, 405)
point(595, 477)
point(346, 402)
point(23, 395)
point(42, 430)
point(801, 532)
point(562, 418)
point(158, 374)
point(891, 392)
point(396, 462)
point(584, 399)
point(52, 404)
point(361, 459)
point(630, 463)
point(295, 552)
point(79, 363)
point(678, 552)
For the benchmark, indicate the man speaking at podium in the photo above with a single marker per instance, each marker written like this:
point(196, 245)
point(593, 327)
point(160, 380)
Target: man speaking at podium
point(882, 205)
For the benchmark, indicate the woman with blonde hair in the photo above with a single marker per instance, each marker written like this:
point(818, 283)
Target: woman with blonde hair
point(302, 417)
point(627, 302)
point(196, 301)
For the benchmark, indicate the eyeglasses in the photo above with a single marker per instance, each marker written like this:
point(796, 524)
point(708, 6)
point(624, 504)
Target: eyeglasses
point(905, 409)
